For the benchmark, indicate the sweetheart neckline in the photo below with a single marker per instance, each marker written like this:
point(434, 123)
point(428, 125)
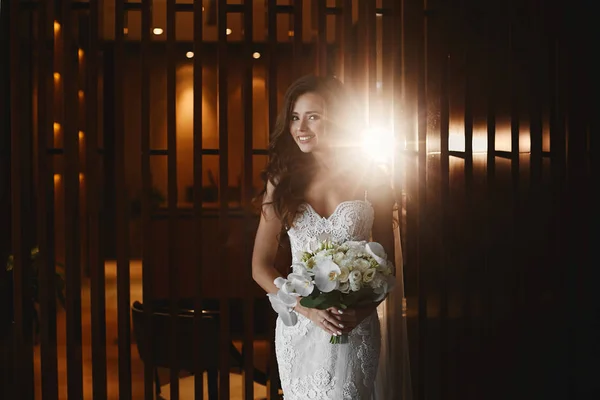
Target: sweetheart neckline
point(337, 208)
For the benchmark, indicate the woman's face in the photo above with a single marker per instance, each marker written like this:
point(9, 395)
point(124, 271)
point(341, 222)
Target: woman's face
point(307, 124)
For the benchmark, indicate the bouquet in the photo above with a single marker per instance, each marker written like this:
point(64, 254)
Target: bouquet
point(334, 275)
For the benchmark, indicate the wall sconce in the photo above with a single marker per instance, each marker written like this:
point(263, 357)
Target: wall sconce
point(256, 55)
point(189, 54)
point(157, 31)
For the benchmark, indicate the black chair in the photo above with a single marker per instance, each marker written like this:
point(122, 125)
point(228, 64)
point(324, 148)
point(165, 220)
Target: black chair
point(161, 356)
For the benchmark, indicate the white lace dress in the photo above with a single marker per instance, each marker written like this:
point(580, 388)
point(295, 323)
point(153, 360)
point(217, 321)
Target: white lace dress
point(309, 366)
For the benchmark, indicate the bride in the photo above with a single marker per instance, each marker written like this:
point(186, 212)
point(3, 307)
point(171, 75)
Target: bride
point(319, 184)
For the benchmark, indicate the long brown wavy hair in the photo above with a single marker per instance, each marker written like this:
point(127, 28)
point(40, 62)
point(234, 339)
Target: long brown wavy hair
point(289, 169)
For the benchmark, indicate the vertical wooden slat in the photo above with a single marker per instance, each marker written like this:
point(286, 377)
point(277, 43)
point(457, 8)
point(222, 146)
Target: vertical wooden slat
point(412, 19)
point(172, 200)
point(361, 64)
point(45, 204)
point(147, 259)
point(7, 370)
point(399, 344)
point(248, 370)
point(321, 58)
point(421, 189)
point(445, 222)
point(490, 243)
point(469, 237)
point(297, 49)
point(272, 381)
point(198, 214)
point(371, 60)
point(516, 259)
point(71, 180)
point(536, 97)
point(346, 47)
point(223, 102)
point(23, 346)
point(121, 211)
point(96, 239)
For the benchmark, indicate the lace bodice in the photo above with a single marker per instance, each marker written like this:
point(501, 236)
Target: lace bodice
point(351, 220)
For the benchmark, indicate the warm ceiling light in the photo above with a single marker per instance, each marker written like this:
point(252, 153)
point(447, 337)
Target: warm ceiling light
point(56, 178)
point(80, 53)
point(125, 31)
point(80, 93)
point(189, 54)
point(56, 127)
point(80, 135)
point(80, 177)
point(56, 76)
point(56, 27)
point(228, 31)
point(157, 31)
point(256, 55)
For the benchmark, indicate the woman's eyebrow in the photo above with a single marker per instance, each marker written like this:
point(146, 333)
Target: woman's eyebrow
point(308, 112)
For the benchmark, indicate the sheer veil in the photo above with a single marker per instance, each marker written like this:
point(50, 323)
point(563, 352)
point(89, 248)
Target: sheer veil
point(393, 375)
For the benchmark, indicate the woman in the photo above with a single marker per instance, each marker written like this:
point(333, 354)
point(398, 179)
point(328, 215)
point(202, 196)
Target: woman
point(319, 184)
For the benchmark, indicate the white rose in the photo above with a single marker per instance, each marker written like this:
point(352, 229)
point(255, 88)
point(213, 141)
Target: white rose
point(355, 286)
point(355, 277)
point(344, 287)
point(338, 257)
point(362, 265)
point(369, 274)
point(344, 274)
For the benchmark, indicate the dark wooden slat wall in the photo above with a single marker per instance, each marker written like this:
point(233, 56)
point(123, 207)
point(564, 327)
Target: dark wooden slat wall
point(223, 129)
point(93, 176)
point(247, 196)
point(6, 294)
point(198, 214)
point(73, 271)
point(45, 202)
point(147, 256)
point(121, 210)
point(272, 385)
point(21, 228)
point(172, 199)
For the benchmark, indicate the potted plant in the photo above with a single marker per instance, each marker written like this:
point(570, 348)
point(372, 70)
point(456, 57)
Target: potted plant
point(59, 284)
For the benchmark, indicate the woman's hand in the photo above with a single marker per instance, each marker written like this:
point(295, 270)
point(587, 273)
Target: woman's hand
point(324, 319)
point(351, 317)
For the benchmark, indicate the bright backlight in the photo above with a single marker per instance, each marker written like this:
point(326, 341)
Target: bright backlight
point(379, 144)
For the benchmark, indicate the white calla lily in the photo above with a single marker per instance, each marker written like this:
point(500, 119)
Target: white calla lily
point(282, 303)
point(377, 251)
point(326, 275)
point(279, 282)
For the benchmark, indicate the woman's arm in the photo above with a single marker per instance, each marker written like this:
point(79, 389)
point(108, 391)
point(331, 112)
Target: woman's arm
point(263, 264)
point(266, 244)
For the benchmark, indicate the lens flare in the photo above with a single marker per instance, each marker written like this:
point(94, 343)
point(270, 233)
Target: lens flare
point(379, 144)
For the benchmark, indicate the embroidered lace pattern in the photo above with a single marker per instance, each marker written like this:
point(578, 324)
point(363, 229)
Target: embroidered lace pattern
point(309, 366)
point(351, 220)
